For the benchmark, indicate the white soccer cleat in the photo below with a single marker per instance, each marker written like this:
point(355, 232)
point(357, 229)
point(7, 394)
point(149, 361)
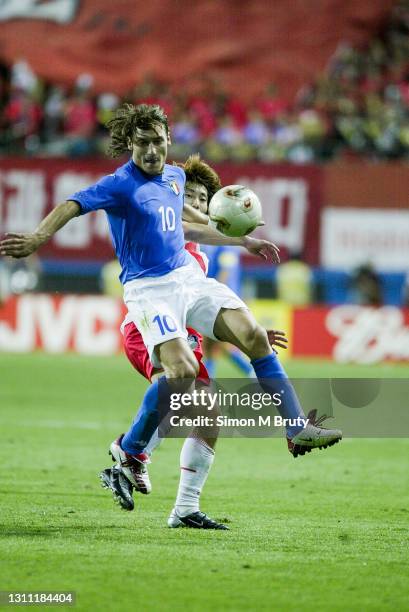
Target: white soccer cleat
point(313, 436)
point(132, 466)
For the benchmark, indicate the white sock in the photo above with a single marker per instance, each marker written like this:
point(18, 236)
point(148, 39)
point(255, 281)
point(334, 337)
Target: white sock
point(196, 459)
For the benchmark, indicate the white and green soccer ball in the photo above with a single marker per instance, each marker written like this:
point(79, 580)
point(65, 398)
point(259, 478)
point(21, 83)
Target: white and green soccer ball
point(235, 211)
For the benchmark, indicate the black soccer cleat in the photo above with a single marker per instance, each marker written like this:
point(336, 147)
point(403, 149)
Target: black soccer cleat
point(195, 520)
point(113, 479)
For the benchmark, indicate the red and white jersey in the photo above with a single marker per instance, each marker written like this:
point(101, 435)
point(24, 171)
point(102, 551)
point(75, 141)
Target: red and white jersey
point(194, 249)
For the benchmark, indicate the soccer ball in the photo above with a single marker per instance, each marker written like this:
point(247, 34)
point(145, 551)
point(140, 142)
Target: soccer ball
point(235, 211)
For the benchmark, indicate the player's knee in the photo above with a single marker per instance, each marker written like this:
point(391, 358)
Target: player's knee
point(256, 342)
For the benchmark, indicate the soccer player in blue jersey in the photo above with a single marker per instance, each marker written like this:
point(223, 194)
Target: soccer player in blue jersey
point(164, 287)
point(201, 183)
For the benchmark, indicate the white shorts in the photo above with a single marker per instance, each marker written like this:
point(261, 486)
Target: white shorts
point(162, 307)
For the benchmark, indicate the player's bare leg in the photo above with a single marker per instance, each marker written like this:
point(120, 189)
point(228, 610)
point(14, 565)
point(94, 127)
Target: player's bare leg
point(178, 361)
point(241, 329)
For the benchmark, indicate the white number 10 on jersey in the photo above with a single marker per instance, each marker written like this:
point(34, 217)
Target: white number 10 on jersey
point(168, 218)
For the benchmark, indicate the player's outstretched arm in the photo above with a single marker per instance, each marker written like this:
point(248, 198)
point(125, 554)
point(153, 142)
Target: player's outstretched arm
point(262, 248)
point(192, 215)
point(205, 234)
point(22, 245)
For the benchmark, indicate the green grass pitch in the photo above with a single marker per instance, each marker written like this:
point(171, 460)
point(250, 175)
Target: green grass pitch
point(328, 531)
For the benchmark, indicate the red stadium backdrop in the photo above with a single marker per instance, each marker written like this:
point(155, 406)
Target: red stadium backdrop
point(177, 41)
point(90, 325)
point(291, 198)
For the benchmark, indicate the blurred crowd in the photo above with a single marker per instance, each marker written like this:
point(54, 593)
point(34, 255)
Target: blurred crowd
point(359, 106)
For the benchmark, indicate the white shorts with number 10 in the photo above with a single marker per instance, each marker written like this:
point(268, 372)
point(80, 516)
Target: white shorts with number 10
point(162, 307)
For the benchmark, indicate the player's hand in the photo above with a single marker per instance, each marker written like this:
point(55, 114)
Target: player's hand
point(277, 338)
point(262, 248)
point(19, 245)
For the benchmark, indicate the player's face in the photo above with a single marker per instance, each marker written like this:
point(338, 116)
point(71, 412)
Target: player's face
point(196, 196)
point(150, 148)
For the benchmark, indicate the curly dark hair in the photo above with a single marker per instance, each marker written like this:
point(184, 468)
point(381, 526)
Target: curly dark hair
point(127, 119)
point(198, 171)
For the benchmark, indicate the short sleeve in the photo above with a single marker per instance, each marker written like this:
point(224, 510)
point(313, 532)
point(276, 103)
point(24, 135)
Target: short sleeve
point(105, 194)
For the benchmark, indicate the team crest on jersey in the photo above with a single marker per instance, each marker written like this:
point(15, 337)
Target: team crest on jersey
point(175, 187)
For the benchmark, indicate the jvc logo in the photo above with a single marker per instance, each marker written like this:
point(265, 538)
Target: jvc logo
point(60, 11)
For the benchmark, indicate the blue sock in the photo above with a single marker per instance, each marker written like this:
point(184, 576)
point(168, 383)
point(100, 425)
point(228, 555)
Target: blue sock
point(147, 419)
point(241, 362)
point(210, 365)
point(273, 379)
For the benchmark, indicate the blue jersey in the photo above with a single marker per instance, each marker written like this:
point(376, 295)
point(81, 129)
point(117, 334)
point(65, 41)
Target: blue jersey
point(145, 218)
point(224, 260)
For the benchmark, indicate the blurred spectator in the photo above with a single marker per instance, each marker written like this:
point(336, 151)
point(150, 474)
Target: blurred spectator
point(203, 108)
point(255, 131)
point(366, 287)
point(270, 105)
point(152, 91)
point(54, 112)
point(312, 125)
point(226, 133)
point(185, 131)
point(294, 281)
point(80, 122)
point(21, 118)
point(236, 109)
point(286, 133)
point(185, 135)
point(22, 77)
point(106, 105)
